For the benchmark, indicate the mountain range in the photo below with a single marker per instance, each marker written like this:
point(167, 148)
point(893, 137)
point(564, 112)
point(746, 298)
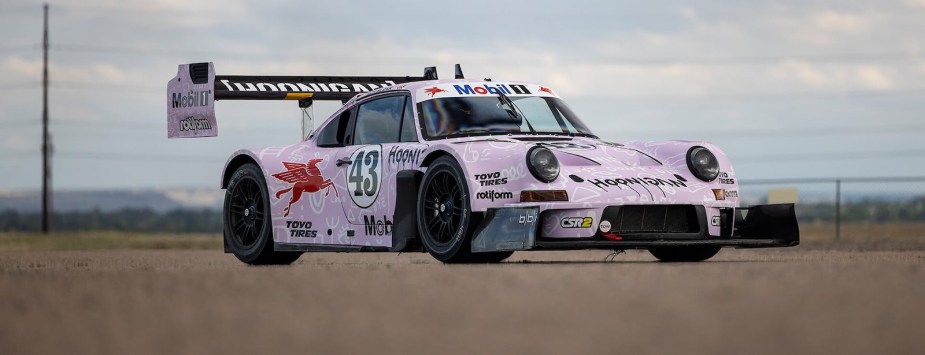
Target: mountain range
point(160, 200)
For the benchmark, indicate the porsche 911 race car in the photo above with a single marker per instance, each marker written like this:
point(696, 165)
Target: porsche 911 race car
point(466, 170)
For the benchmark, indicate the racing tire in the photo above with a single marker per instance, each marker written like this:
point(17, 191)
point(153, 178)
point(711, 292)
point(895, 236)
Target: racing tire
point(443, 212)
point(684, 254)
point(248, 230)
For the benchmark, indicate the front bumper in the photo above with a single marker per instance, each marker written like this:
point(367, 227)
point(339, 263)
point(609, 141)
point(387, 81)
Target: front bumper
point(760, 226)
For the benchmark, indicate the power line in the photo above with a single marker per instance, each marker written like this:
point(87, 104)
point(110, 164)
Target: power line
point(18, 124)
point(662, 99)
point(147, 51)
point(760, 60)
point(831, 180)
point(817, 157)
point(786, 132)
point(123, 88)
point(20, 86)
point(139, 158)
point(608, 60)
point(20, 48)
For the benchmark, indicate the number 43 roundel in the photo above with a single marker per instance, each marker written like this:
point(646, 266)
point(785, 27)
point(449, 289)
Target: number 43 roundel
point(365, 175)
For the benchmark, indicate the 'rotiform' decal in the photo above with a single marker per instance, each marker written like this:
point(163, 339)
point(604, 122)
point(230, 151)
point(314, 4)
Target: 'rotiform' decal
point(491, 179)
point(301, 229)
point(494, 195)
point(304, 87)
point(638, 181)
point(724, 179)
point(191, 99)
point(576, 222)
point(306, 178)
point(365, 175)
point(194, 124)
point(399, 155)
point(377, 226)
point(493, 90)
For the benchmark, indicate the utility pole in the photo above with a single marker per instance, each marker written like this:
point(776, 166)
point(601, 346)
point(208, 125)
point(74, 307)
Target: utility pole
point(46, 139)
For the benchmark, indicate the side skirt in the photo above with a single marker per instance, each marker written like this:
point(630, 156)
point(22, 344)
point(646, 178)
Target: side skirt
point(326, 248)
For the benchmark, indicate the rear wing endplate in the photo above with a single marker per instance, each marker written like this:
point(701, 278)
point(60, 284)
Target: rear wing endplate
point(191, 95)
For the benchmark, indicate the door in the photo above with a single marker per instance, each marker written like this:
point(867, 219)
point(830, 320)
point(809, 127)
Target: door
point(368, 175)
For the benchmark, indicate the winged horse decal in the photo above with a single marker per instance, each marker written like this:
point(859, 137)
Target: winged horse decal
point(306, 178)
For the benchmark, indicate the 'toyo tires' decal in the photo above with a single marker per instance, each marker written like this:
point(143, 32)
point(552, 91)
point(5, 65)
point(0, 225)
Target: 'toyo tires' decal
point(364, 178)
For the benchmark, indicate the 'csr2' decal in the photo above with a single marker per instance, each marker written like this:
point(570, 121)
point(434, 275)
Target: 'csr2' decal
point(365, 175)
point(576, 222)
point(305, 178)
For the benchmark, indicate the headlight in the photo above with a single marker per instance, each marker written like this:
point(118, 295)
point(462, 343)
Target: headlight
point(542, 164)
point(703, 163)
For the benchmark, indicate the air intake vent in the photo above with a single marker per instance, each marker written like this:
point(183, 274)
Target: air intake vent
point(199, 72)
point(653, 219)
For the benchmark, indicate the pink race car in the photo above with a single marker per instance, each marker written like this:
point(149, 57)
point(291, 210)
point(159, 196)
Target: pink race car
point(467, 170)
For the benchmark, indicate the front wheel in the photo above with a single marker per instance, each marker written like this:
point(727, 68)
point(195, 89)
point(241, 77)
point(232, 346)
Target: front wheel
point(684, 254)
point(443, 212)
point(246, 216)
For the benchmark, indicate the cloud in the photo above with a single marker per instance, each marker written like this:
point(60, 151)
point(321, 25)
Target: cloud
point(19, 68)
point(802, 72)
point(875, 77)
point(831, 21)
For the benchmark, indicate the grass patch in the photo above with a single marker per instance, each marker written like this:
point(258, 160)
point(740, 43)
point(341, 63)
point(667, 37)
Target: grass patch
point(107, 241)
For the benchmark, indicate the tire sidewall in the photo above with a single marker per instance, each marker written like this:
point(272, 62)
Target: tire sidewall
point(262, 245)
point(460, 236)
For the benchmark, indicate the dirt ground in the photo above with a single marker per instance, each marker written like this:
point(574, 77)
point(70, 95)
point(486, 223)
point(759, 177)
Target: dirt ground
point(800, 300)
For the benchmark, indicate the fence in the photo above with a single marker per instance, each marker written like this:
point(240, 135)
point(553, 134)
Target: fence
point(848, 208)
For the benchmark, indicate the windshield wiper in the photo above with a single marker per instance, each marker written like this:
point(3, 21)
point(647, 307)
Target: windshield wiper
point(513, 111)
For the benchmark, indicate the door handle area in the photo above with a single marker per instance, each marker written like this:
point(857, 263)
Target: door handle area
point(343, 161)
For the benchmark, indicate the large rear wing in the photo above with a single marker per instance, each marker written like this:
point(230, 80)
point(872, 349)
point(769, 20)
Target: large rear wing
point(191, 95)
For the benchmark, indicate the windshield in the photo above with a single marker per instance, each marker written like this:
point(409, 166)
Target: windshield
point(464, 116)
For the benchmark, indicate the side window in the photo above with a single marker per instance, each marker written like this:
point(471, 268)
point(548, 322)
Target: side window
point(408, 132)
point(379, 121)
point(332, 135)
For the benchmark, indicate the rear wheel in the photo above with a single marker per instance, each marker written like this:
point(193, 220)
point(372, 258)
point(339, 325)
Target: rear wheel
point(684, 254)
point(246, 217)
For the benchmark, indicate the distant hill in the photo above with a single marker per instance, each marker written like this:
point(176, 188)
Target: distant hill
point(160, 200)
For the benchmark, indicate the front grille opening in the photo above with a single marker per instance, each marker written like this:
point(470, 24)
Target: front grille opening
point(653, 219)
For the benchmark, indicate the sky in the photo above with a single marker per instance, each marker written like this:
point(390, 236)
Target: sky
point(788, 89)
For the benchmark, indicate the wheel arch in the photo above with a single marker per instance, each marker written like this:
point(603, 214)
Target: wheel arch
point(237, 160)
point(434, 155)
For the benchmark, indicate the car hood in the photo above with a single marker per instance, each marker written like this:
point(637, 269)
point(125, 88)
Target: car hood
point(590, 169)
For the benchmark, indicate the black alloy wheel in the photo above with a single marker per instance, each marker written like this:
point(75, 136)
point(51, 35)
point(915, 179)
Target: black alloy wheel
point(246, 217)
point(445, 218)
point(443, 211)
